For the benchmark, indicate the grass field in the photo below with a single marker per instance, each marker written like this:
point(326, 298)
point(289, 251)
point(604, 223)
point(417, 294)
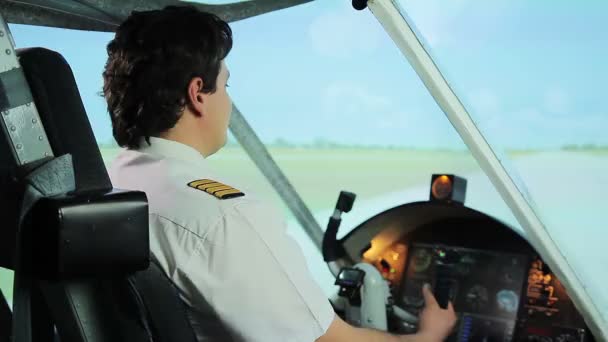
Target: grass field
point(319, 174)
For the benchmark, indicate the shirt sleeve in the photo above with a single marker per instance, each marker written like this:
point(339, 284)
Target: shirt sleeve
point(255, 277)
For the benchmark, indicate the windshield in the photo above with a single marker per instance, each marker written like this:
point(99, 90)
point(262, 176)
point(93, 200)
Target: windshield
point(531, 75)
point(340, 109)
point(325, 93)
point(331, 97)
point(333, 101)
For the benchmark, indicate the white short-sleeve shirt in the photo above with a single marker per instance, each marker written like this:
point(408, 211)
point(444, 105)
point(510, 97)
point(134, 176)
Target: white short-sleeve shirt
point(239, 273)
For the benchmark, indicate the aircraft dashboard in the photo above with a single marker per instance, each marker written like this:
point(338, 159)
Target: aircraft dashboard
point(500, 288)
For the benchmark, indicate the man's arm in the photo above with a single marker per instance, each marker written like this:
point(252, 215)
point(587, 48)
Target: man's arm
point(256, 278)
point(435, 325)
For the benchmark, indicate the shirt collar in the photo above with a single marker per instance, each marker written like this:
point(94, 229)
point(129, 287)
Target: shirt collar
point(170, 149)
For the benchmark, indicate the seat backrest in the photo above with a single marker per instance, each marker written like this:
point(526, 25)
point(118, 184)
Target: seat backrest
point(83, 307)
point(67, 129)
point(92, 238)
point(65, 121)
point(165, 310)
point(124, 301)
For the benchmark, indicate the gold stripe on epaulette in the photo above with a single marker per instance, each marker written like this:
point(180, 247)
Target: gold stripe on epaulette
point(226, 192)
point(196, 183)
point(209, 186)
point(216, 189)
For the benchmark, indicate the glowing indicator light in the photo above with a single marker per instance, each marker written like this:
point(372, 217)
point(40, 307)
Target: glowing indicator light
point(448, 188)
point(442, 187)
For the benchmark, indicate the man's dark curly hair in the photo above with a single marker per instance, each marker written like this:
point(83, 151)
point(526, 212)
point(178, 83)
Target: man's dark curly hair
point(151, 61)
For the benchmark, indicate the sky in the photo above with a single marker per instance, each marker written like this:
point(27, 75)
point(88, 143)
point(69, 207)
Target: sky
point(531, 73)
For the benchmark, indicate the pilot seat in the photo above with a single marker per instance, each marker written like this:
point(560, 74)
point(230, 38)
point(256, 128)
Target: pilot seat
point(79, 248)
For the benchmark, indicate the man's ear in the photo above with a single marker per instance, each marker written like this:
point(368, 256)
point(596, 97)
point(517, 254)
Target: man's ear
point(196, 96)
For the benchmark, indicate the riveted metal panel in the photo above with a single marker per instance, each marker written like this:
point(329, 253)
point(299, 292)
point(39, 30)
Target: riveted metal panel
point(19, 117)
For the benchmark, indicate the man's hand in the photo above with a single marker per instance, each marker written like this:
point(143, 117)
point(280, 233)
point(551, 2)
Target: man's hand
point(436, 324)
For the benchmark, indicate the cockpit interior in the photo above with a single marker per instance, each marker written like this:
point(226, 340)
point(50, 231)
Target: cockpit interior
point(497, 282)
point(79, 252)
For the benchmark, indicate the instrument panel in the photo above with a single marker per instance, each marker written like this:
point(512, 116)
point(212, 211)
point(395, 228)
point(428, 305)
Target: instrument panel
point(484, 286)
point(501, 289)
point(498, 295)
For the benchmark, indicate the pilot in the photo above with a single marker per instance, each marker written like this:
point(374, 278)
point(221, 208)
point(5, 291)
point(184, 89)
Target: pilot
point(239, 273)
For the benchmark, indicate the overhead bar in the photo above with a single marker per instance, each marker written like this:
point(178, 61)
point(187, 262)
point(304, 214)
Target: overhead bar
point(256, 150)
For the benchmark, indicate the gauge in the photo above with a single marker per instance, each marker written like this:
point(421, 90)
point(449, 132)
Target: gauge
point(507, 300)
point(566, 338)
point(421, 260)
point(468, 259)
point(477, 297)
point(510, 274)
point(412, 295)
point(507, 277)
point(463, 269)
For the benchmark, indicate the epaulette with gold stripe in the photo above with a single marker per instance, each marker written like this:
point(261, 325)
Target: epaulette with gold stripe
point(217, 189)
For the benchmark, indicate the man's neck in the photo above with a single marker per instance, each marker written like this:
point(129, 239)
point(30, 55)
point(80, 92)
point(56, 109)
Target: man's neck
point(188, 140)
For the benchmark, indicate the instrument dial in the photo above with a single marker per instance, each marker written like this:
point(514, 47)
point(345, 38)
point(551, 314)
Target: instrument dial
point(477, 297)
point(507, 301)
point(421, 260)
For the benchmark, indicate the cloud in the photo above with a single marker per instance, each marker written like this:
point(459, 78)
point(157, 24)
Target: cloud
point(483, 101)
point(534, 127)
point(340, 33)
point(356, 109)
point(435, 20)
point(359, 111)
point(353, 99)
point(462, 22)
point(556, 100)
point(551, 120)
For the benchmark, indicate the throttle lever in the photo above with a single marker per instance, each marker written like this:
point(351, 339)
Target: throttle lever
point(443, 286)
point(444, 261)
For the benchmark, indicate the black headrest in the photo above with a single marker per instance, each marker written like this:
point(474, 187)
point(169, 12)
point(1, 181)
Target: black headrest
point(63, 116)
